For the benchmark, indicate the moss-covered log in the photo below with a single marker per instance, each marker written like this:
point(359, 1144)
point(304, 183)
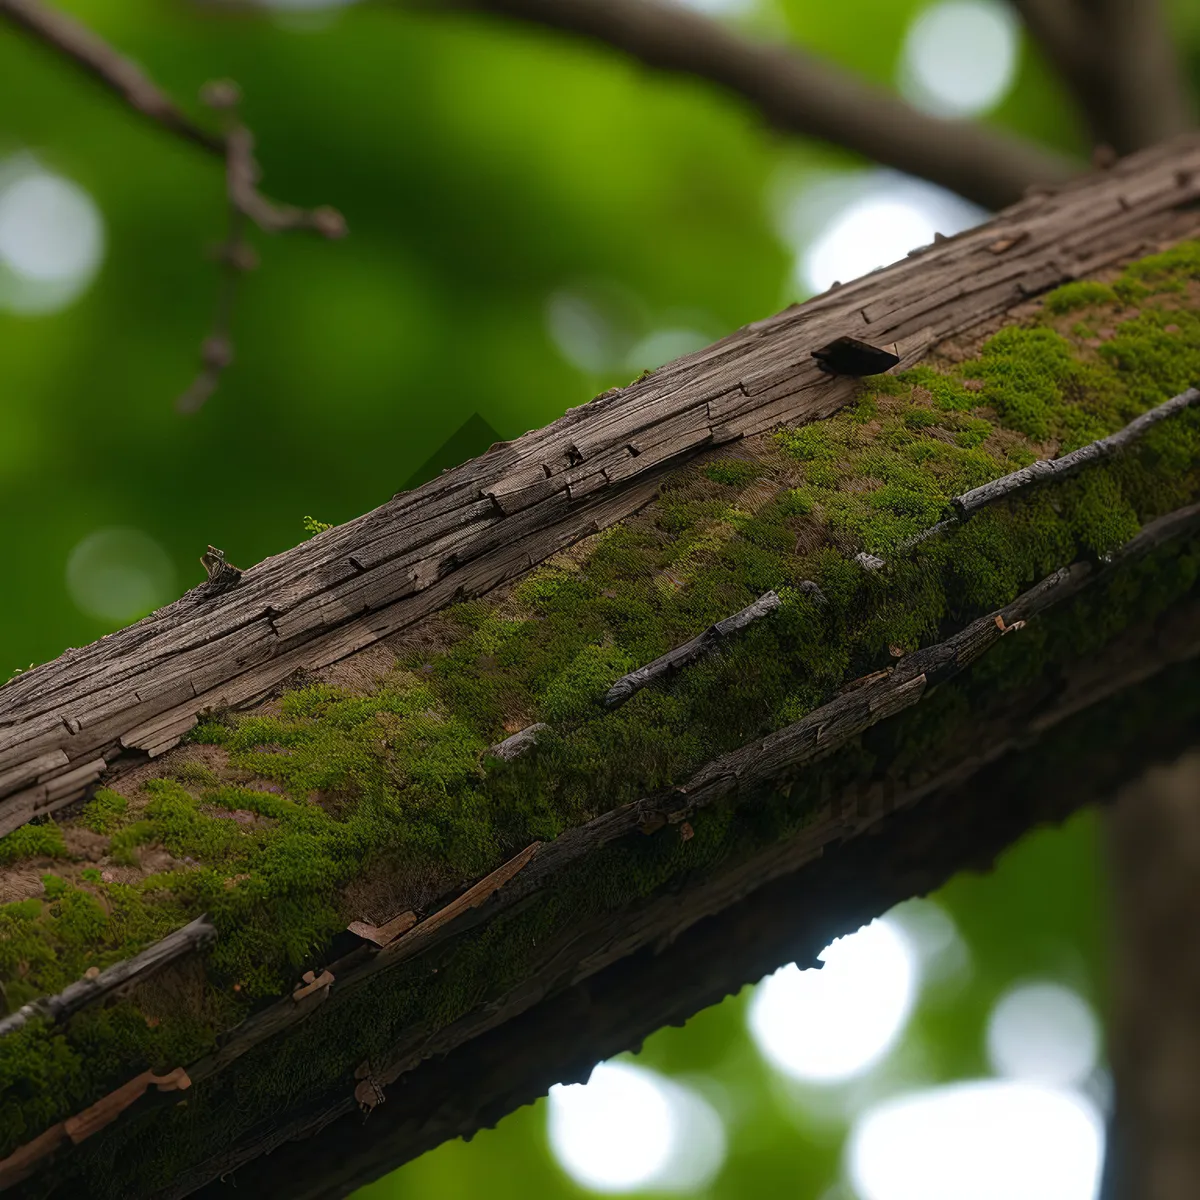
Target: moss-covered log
point(846, 635)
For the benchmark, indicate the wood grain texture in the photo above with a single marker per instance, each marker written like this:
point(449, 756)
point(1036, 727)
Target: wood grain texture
point(136, 692)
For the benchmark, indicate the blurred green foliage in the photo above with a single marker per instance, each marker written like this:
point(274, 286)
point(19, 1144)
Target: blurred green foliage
point(482, 167)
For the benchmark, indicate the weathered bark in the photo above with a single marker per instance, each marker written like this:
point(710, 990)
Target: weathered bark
point(927, 754)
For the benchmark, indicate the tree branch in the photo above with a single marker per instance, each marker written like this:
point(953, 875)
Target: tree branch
point(1116, 60)
point(75, 41)
point(799, 94)
point(235, 147)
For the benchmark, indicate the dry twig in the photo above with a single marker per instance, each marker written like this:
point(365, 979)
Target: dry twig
point(74, 41)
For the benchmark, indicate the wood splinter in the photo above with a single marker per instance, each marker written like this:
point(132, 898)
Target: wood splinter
point(312, 982)
point(222, 576)
point(383, 934)
point(520, 741)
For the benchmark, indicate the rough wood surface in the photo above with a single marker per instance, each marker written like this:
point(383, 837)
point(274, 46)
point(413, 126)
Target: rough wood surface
point(192, 937)
point(768, 764)
point(136, 692)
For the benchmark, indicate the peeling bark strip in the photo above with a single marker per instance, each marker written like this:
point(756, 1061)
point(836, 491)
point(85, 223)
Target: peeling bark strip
point(83, 992)
point(381, 935)
point(689, 652)
point(21, 1163)
point(136, 692)
point(1059, 468)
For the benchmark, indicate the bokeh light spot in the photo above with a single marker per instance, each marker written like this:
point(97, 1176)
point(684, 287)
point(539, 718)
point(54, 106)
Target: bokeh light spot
point(718, 8)
point(827, 1025)
point(664, 346)
point(960, 57)
point(629, 1129)
point(871, 233)
point(1044, 1033)
point(118, 575)
point(51, 238)
point(986, 1140)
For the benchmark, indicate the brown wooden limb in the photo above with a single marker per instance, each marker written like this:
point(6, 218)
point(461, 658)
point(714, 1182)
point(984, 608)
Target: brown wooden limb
point(192, 937)
point(73, 40)
point(139, 690)
point(754, 770)
point(798, 93)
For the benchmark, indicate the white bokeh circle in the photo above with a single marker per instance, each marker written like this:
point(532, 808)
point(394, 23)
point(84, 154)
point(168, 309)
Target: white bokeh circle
point(1044, 1033)
point(631, 1129)
point(831, 1024)
point(982, 1140)
point(51, 238)
point(960, 56)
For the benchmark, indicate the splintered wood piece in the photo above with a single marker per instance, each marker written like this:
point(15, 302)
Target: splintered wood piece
point(381, 935)
point(851, 356)
point(92, 987)
point(519, 742)
point(108, 1109)
point(682, 656)
point(471, 898)
point(222, 575)
point(310, 983)
point(21, 1162)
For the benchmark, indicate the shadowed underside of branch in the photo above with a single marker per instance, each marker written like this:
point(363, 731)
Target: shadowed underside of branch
point(385, 892)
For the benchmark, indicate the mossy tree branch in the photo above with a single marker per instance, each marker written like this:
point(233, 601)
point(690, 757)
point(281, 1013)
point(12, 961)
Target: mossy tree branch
point(386, 891)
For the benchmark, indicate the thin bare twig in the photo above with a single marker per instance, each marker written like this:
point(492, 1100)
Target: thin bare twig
point(798, 93)
point(235, 146)
point(236, 254)
point(75, 41)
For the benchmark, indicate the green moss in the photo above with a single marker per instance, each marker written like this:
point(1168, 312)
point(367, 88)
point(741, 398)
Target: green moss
point(104, 812)
point(1083, 294)
point(33, 841)
point(732, 472)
